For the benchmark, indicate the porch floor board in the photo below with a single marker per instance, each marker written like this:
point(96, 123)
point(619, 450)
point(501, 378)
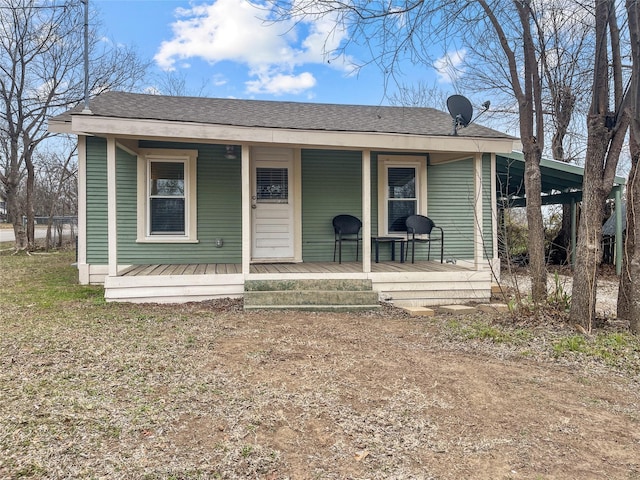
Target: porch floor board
point(272, 268)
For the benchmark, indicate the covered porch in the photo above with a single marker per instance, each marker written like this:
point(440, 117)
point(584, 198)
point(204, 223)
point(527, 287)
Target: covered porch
point(189, 199)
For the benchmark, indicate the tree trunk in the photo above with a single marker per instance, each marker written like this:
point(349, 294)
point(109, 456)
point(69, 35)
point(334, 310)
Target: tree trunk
point(631, 259)
point(564, 103)
point(31, 238)
point(588, 249)
point(13, 214)
point(537, 264)
point(629, 290)
point(566, 234)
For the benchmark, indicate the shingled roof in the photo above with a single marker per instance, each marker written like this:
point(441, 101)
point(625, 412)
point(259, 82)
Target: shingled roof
point(274, 114)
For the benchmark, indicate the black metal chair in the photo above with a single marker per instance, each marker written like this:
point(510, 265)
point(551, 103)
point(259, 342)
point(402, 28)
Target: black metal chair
point(346, 228)
point(419, 230)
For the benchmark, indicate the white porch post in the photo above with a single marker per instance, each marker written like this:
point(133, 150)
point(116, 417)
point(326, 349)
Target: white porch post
point(246, 211)
point(494, 210)
point(478, 240)
point(366, 211)
point(112, 207)
point(83, 270)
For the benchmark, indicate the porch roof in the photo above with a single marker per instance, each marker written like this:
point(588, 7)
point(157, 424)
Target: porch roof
point(275, 114)
point(119, 113)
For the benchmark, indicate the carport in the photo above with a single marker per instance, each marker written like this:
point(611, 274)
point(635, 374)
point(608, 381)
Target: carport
point(561, 185)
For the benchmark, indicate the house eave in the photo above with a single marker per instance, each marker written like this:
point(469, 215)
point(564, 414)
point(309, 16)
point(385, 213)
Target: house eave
point(211, 133)
point(55, 126)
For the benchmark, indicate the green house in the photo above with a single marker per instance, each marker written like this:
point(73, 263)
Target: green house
point(188, 199)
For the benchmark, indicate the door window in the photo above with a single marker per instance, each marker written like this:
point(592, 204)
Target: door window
point(272, 185)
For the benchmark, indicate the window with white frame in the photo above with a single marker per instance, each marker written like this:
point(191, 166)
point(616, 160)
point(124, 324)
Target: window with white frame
point(402, 191)
point(167, 196)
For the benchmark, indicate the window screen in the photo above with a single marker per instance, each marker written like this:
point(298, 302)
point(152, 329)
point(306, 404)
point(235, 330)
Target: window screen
point(167, 198)
point(401, 197)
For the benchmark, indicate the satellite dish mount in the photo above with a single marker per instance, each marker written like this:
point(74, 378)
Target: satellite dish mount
point(461, 112)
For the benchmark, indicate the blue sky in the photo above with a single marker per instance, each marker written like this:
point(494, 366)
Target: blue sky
point(224, 49)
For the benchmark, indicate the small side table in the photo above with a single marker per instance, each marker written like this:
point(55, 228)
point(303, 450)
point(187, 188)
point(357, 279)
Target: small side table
point(392, 240)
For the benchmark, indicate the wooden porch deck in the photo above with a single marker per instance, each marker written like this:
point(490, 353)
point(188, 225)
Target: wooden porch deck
point(289, 268)
point(407, 284)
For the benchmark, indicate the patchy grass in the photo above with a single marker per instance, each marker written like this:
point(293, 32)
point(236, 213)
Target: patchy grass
point(90, 389)
point(482, 329)
point(616, 349)
point(44, 280)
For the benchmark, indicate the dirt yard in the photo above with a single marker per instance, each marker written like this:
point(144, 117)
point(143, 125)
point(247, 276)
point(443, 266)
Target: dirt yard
point(204, 391)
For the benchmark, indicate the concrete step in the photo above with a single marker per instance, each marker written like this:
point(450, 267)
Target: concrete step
point(311, 300)
point(310, 295)
point(301, 285)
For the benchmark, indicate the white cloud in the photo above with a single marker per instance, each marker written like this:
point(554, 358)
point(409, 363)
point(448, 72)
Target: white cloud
point(152, 90)
point(219, 80)
point(278, 83)
point(235, 30)
point(224, 30)
point(448, 67)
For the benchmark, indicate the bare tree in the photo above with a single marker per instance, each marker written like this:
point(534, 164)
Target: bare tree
point(566, 31)
point(563, 32)
point(56, 193)
point(175, 83)
point(607, 124)
point(629, 291)
point(419, 95)
point(525, 83)
point(407, 30)
point(41, 69)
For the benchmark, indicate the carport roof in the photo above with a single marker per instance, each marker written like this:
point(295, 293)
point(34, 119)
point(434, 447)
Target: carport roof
point(561, 182)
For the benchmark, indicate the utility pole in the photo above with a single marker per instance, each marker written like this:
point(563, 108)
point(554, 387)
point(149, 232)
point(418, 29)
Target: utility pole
point(86, 109)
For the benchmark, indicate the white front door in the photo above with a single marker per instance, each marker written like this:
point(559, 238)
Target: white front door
point(272, 204)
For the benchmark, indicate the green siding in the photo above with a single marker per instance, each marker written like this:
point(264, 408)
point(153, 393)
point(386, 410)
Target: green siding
point(126, 181)
point(218, 202)
point(97, 241)
point(219, 211)
point(331, 185)
point(374, 194)
point(450, 193)
point(487, 211)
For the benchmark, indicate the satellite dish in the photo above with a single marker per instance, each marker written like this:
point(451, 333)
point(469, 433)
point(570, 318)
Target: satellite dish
point(461, 111)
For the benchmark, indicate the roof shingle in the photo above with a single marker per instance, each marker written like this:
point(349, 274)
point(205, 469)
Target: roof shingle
point(275, 114)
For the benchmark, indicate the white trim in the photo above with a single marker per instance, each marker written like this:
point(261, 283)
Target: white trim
point(478, 217)
point(112, 207)
point(61, 126)
point(212, 133)
point(297, 204)
point(129, 145)
point(410, 289)
point(246, 210)
point(419, 162)
point(366, 211)
point(83, 270)
point(494, 207)
point(189, 158)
